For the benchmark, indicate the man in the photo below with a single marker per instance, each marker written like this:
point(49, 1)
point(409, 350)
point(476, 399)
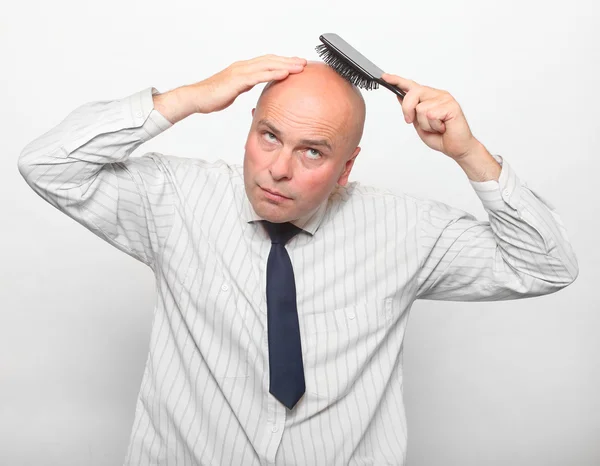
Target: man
point(268, 349)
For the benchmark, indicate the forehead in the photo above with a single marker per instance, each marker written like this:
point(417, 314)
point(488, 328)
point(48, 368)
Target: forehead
point(304, 114)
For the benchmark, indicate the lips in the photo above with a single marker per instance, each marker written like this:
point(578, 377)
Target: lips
point(274, 192)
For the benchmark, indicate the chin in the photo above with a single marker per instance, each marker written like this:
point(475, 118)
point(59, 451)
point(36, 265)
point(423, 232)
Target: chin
point(272, 213)
point(275, 212)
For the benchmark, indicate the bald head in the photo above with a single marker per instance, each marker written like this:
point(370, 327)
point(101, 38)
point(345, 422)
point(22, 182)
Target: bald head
point(320, 90)
point(302, 143)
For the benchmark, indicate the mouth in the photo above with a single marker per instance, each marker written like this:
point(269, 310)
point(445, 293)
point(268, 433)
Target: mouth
point(274, 194)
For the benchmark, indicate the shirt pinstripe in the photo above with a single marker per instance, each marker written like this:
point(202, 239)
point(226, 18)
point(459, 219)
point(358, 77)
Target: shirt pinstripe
point(361, 261)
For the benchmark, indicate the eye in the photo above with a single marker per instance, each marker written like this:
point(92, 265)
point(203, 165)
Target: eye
point(313, 154)
point(269, 136)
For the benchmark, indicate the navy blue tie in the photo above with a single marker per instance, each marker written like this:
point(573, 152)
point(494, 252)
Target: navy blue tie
point(285, 351)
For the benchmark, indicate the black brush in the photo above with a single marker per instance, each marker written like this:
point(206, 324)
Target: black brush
point(351, 64)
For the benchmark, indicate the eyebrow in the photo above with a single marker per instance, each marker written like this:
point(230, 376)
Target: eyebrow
point(308, 142)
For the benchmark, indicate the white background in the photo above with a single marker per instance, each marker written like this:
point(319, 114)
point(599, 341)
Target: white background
point(502, 383)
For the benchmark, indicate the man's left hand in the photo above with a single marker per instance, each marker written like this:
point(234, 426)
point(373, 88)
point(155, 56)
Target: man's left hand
point(436, 116)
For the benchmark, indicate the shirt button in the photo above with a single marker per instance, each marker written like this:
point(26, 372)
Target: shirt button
point(138, 114)
point(274, 429)
point(224, 287)
point(350, 316)
point(506, 192)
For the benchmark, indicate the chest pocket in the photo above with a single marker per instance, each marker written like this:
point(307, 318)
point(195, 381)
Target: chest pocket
point(339, 344)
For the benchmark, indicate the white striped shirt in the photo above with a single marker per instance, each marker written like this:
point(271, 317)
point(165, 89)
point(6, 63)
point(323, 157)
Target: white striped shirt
point(362, 260)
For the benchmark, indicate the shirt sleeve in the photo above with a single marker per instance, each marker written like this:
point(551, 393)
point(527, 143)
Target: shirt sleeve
point(521, 251)
point(82, 167)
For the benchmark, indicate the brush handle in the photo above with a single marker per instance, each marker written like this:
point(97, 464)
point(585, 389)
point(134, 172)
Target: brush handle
point(391, 87)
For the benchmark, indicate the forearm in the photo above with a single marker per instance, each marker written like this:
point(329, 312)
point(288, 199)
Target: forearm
point(61, 164)
point(521, 250)
point(479, 165)
point(176, 104)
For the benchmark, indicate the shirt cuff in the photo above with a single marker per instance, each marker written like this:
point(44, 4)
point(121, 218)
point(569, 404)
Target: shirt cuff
point(140, 107)
point(496, 194)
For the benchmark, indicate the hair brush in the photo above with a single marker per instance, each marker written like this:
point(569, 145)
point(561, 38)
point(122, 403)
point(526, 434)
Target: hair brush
point(351, 64)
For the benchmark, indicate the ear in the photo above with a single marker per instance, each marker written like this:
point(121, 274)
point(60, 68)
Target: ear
point(343, 180)
point(253, 110)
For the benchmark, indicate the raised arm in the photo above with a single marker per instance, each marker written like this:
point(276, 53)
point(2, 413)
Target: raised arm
point(82, 166)
point(521, 251)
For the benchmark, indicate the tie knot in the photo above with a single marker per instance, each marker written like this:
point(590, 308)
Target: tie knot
point(281, 233)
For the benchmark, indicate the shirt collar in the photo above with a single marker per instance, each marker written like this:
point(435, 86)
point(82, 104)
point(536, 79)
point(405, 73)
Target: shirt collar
point(309, 223)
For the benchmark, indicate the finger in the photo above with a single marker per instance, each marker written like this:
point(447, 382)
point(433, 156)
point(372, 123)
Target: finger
point(437, 125)
point(421, 117)
point(294, 59)
point(440, 114)
point(271, 57)
point(273, 64)
point(419, 95)
point(266, 62)
point(271, 75)
point(434, 113)
point(267, 76)
point(410, 102)
point(403, 83)
point(250, 75)
point(302, 61)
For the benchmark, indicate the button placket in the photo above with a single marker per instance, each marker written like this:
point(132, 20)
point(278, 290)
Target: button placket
point(276, 415)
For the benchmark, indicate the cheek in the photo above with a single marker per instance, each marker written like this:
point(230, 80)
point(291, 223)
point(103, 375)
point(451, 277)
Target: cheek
point(319, 185)
point(254, 154)
point(250, 158)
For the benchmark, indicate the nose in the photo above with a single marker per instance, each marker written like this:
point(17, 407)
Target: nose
point(281, 167)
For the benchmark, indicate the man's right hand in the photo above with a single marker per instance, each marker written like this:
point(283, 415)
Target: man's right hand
point(219, 91)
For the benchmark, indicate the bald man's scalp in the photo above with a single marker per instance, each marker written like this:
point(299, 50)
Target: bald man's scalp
point(318, 76)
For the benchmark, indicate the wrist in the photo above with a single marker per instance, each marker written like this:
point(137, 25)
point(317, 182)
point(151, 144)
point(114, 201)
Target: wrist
point(176, 104)
point(479, 165)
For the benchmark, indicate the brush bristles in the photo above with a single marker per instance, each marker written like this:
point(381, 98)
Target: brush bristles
point(345, 68)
